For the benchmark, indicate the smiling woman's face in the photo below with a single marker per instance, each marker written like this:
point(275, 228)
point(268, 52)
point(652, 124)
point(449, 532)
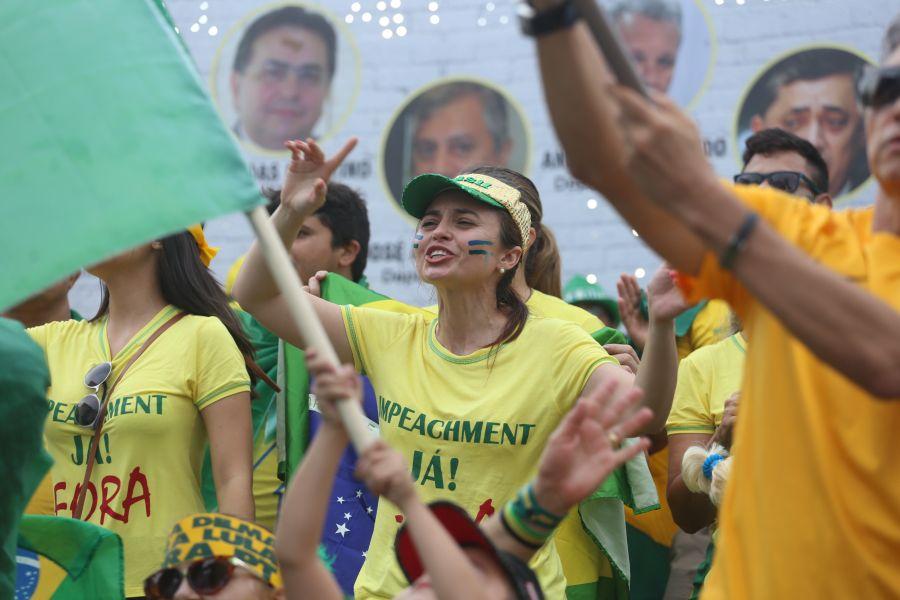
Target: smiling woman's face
point(458, 242)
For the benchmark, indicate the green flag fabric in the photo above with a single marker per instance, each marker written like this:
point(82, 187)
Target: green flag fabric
point(63, 559)
point(110, 139)
point(24, 380)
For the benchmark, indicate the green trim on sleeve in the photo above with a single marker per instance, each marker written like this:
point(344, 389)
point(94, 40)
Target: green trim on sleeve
point(353, 336)
point(229, 389)
point(690, 429)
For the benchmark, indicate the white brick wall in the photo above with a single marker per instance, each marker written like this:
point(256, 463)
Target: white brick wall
point(593, 241)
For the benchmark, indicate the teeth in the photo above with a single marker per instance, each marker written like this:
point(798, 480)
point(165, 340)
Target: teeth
point(438, 253)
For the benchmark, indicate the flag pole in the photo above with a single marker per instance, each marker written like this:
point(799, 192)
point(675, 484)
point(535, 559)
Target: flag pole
point(304, 316)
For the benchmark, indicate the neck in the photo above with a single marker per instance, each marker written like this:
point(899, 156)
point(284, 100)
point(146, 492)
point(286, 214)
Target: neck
point(887, 213)
point(134, 298)
point(30, 316)
point(520, 286)
point(469, 320)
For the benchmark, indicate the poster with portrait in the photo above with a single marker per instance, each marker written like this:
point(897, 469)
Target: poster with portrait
point(284, 71)
point(811, 92)
point(671, 42)
point(449, 125)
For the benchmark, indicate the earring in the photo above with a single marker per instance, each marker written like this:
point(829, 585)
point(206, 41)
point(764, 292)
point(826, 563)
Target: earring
point(502, 270)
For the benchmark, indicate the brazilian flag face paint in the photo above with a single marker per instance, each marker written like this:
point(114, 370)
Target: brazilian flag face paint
point(476, 247)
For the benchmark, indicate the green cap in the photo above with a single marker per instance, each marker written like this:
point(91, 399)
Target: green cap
point(422, 190)
point(579, 290)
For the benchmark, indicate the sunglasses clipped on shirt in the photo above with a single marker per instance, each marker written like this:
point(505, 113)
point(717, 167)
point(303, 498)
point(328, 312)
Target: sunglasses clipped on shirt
point(787, 181)
point(879, 87)
point(88, 408)
point(207, 577)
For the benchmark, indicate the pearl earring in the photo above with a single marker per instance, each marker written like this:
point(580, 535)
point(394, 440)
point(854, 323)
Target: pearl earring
point(502, 270)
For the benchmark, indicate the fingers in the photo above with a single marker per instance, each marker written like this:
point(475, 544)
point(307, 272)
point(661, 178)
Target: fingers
point(629, 451)
point(338, 158)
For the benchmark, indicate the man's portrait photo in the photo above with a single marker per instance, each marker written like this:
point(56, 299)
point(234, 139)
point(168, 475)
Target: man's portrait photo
point(670, 42)
point(278, 80)
point(812, 94)
point(450, 127)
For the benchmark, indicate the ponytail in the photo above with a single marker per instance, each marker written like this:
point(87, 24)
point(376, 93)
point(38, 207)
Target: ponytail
point(706, 471)
point(543, 270)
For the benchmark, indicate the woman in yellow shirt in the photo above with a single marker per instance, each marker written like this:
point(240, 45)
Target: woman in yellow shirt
point(189, 384)
point(469, 397)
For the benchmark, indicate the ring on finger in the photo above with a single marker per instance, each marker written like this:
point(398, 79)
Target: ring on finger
point(615, 440)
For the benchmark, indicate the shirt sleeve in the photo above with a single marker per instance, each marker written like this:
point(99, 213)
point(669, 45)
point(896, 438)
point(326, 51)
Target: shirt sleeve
point(221, 371)
point(809, 227)
point(39, 335)
point(690, 407)
point(371, 332)
point(712, 324)
point(578, 357)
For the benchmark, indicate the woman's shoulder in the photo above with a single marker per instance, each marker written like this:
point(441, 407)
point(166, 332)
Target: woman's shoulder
point(61, 330)
point(554, 328)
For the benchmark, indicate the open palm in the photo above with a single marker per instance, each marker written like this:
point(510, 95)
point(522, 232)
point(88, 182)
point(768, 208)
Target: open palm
point(665, 299)
point(580, 453)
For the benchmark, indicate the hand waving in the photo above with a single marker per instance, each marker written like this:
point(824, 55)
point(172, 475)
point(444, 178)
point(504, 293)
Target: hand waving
point(581, 453)
point(666, 300)
point(630, 309)
point(303, 191)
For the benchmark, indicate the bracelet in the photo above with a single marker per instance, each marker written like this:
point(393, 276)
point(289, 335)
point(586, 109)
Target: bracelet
point(528, 521)
point(561, 16)
point(738, 241)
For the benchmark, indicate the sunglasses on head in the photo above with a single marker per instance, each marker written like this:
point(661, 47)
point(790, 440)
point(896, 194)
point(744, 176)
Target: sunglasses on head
point(88, 408)
point(879, 87)
point(787, 181)
point(207, 576)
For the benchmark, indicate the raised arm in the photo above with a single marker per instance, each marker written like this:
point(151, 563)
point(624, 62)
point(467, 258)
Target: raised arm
point(577, 458)
point(302, 194)
point(576, 85)
point(801, 293)
point(305, 505)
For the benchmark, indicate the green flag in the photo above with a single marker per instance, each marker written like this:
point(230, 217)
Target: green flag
point(66, 559)
point(110, 139)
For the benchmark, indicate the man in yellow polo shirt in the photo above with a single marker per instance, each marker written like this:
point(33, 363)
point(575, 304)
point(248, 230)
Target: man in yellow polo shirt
point(811, 510)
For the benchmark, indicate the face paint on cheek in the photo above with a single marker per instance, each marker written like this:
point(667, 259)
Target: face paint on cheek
point(418, 238)
point(475, 251)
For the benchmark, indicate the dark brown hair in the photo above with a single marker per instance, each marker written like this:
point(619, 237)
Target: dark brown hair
point(543, 268)
point(186, 283)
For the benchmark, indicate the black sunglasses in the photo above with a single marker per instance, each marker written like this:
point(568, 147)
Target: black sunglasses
point(879, 87)
point(207, 576)
point(88, 408)
point(787, 181)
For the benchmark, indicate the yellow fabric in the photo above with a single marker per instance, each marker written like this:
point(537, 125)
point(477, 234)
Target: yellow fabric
point(712, 324)
point(207, 535)
point(148, 473)
point(233, 271)
point(815, 482)
point(582, 561)
point(267, 487)
point(706, 379)
point(207, 252)
point(472, 427)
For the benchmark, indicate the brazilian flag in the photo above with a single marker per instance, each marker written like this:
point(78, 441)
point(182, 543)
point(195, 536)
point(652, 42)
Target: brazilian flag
point(63, 558)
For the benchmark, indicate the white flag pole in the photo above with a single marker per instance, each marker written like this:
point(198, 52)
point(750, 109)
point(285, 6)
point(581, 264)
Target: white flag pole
point(305, 318)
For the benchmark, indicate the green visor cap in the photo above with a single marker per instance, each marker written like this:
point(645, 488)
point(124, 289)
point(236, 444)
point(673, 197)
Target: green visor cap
point(422, 190)
point(579, 290)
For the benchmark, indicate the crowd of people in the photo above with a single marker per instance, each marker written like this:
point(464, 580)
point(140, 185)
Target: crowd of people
point(727, 432)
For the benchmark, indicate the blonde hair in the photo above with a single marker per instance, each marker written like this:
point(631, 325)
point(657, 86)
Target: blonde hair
point(706, 470)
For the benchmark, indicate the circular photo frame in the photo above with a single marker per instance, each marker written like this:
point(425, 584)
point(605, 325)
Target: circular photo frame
point(811, 92)
point(672, 43)
point(449, 125)
point(285, 71)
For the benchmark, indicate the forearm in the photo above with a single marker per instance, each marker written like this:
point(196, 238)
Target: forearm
point(690, 511)
point(658, 372)
point(305, 505)
point(254, 282)
point(803, 294)
point(452, 573)
point(235, 496)
point(585, 116)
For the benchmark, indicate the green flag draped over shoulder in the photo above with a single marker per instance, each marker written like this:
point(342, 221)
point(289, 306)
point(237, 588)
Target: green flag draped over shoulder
point(109, 138)
point(66, 559)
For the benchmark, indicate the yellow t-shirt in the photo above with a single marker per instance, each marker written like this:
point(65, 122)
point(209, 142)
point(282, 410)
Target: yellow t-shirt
point(815, 483)
point(706, 379)
point(472, 427)
point(147, 476)
point(711, 325)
